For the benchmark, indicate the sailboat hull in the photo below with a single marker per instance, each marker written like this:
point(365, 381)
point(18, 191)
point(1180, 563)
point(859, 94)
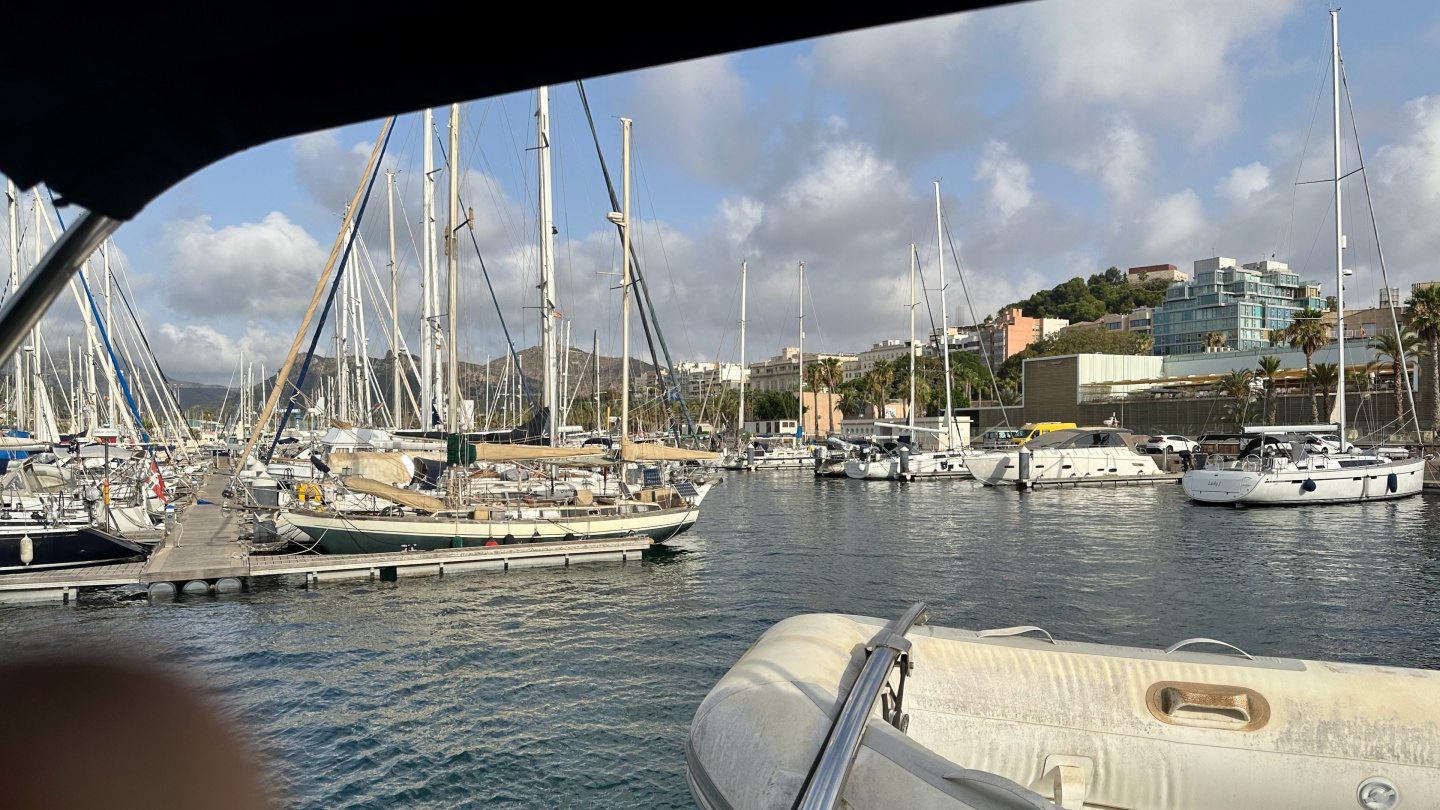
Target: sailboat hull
point(339, 533)
point(1255, 486)
point(63, 547)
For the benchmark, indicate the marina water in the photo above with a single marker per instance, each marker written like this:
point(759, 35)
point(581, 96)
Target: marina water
point(574, 687)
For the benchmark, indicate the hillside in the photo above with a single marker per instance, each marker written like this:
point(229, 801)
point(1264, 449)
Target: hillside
point(1103, 294)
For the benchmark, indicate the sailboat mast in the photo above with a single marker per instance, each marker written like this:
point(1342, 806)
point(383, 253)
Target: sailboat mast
point(565, 379)
point(595, 358)
point(800, 412)
point(549, 399)
point(740, 412)
point(625, 283)
point(12, 206)
point(910, 412)
point(109, 327)
point(395, 410)
point(427, 323)
point(452, 345)
point(1340, 234)
point(944, 321)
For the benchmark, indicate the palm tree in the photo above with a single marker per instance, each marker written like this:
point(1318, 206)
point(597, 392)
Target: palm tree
point(1424, 313)
point(1309, 334)
point(1325, 376)
point(1268, 367)
point(1145, 345)
point(834, 374)
point(1390, 348)
point(877, 386)
point(1216, 340)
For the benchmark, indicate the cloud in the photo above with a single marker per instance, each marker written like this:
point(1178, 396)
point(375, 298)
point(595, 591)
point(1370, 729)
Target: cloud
point(1009, 179)
point(199, 353)
point(1175, 224)
point(263, 269)
point(695, 116)
point(1244, 182)
point(1407, 192)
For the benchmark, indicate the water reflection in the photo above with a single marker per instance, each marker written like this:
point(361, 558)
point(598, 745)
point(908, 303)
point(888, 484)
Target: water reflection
point(574, 687)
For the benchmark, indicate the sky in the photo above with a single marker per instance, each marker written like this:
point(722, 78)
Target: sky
point(1067, 136)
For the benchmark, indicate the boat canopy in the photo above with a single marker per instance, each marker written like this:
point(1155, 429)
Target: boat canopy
point(404, 497)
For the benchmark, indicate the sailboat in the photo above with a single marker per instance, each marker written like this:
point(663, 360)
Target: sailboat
point(904, 463)
point(1282, 470)
point(401, 518)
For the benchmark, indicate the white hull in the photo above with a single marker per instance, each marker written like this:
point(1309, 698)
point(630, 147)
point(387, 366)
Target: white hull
point(920, 465)
point(993, 469)
point(1280, 482)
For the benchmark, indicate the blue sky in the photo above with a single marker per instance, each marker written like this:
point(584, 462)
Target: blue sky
point(1069, 135)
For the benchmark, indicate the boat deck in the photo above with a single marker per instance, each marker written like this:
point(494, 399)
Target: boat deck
point(204, 552)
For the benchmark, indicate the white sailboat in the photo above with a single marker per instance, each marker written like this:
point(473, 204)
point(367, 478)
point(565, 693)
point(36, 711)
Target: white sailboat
point(1283, 471)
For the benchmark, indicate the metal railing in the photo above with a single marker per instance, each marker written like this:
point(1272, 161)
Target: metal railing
point(888, 648)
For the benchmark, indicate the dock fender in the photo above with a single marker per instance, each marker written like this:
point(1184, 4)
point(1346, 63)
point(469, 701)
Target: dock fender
point(1309, 485)
point(1392, 482)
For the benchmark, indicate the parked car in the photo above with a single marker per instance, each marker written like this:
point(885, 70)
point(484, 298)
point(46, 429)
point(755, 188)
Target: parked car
point(1170, 444)
point(1325, 443)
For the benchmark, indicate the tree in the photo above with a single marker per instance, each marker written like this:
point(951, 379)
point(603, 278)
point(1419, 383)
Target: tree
point(770, 405)
point(1216, 340)
point(877, 386)
point(1424, 310)
point(1268, 367)
point(834, 374)
point(1391, 348)
point(1309, 334)
point(1325, 377)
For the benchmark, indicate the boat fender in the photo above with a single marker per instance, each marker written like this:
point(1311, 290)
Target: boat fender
point(1309, 485)
point(1392, 482)
point(491, 543)
point(27, 550)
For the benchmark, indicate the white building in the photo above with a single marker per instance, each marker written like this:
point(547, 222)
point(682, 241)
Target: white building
point(699, 380)
point(782, 372)
point(886, 350)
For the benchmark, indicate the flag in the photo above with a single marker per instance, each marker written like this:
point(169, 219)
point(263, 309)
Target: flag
point(159, 486)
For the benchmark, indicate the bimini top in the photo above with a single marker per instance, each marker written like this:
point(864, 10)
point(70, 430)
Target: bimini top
point(130, 99)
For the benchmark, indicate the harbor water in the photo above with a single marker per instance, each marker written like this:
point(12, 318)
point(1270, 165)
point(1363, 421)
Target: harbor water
point(573, 688)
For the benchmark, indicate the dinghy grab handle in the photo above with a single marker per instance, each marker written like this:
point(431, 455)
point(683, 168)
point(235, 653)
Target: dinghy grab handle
point(822, 787)
point(1187, 642)
point(1016, 631)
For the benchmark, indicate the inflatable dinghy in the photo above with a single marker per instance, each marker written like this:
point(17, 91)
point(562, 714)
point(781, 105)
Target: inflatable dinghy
point(845, 711)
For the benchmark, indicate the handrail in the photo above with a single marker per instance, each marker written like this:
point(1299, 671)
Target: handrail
point(885, 649)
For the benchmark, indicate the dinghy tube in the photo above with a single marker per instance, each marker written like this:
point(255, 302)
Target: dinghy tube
point(828, 711)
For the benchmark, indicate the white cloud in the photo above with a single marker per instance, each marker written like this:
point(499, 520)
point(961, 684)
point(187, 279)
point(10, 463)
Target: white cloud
point(263, 269)
point(1008, 177)
point(1244, 182)
point(199, 353)
point(1174, 225)
point(693, 113)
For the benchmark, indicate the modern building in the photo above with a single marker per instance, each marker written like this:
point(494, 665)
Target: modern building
point(1242, 302)
point(1010, 333)
point(1156, 272)
point(782, 372)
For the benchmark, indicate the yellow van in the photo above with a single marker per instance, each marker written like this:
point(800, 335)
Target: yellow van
point(1034, 430)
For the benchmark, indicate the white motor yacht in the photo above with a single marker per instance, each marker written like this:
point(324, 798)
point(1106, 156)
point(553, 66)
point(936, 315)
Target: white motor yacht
point(1063, 455)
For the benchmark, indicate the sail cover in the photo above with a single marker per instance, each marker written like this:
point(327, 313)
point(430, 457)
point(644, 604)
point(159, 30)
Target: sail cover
point(527, 452)
point(660, 452)
point(404, 497)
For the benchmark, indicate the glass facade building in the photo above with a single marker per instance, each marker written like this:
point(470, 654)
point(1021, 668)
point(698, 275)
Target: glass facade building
point(1244, 302)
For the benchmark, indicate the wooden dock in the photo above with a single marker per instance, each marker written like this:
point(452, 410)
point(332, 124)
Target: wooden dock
point(203, 553)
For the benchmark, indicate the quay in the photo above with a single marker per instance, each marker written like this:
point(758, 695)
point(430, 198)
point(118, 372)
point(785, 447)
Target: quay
point(204, 554)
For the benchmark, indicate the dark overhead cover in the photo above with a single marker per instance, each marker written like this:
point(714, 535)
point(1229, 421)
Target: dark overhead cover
point(112, 103)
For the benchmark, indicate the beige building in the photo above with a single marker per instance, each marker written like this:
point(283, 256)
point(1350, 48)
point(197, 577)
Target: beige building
point(1153, 272)
point(886, 350)
point(699, 380)
point(782, 372)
